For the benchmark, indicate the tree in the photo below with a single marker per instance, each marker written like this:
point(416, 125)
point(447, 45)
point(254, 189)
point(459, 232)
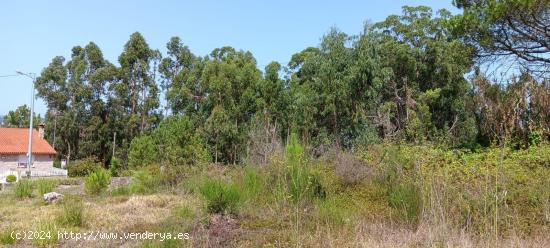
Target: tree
point(75, 95)
point(418, 49)
point(137, 71)
point(181, 72)
point(517, 29)
point(178, 143)
point(133, 99)
point(229, 77)
point(142, 152)
point(20, 118)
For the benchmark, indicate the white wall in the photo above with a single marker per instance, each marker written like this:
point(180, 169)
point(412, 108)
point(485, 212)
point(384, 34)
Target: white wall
point(41, 162)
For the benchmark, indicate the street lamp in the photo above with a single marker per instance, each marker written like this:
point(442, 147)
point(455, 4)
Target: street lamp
point(29, 161)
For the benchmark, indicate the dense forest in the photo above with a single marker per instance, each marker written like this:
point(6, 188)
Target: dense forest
point(419, 77)
point(427, 129)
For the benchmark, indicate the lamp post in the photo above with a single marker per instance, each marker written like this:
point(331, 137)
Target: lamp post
point(29, 161)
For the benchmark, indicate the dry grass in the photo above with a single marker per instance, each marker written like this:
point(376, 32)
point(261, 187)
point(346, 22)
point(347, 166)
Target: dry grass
point(354, 213)
point(123, 214)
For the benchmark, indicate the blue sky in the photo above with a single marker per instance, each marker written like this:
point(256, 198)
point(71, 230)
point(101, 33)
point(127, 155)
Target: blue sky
point(33, 32)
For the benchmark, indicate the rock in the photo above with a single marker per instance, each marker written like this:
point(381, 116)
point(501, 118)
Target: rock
point(52, 197)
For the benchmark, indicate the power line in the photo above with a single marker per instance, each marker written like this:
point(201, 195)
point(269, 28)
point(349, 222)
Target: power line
point(14, 75)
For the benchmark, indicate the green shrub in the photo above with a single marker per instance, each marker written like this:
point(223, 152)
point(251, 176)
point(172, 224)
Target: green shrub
point(142, 152)
point(84, 167)
point(72, 212)
point(57, 163)
point(11, 178)
point(114, 166)
point(23, 188)
point(44, 186)
point(145, 181)
point(221, 197)
point(97, 181)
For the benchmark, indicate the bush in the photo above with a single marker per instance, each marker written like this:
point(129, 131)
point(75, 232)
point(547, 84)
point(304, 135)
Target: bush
point(44, 186)
point(114, 166)
point(72, 213)
point(179, 143)
point(23, 188)
point(97, 181)
point(221, 197)
point(83, 167)
point(57, 163)
point(142, 152)
point(145, 181)
point(11, 178)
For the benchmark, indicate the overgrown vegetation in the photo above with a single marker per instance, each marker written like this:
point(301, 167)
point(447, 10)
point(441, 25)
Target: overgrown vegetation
point(23, 189)
point(392, 137)
point(83, 167)
point(97, 181)
point(44, 186)
point(72, 212)
point(220, 196)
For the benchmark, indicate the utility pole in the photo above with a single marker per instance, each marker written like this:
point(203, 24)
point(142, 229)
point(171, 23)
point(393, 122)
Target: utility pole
point(114, 143)
point(29, 161)
point(54, 126)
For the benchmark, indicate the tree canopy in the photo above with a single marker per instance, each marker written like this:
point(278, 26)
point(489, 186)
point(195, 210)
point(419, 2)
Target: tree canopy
point(412, 78)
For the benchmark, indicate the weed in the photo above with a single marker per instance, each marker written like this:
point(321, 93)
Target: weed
point(44, 186)
point(23, 189)
point(221, 197)
point(72, 212)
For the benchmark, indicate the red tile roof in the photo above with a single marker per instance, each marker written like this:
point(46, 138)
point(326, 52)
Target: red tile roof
point(16, 140)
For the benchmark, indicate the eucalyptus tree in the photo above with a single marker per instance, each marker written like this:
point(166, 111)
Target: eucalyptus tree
point(134, 98)
point(181, 74)
point(427, 91)
point(75, 91)
point(229, 77)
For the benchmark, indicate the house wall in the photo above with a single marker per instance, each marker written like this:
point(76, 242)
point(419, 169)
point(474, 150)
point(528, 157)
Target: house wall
point(40, 162)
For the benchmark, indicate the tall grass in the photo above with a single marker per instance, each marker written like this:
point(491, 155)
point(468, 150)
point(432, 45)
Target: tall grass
point(221, 197)
point(6, 237)
point(44, 186)
point(23, 189)
point(72, 212)
point(48, 234)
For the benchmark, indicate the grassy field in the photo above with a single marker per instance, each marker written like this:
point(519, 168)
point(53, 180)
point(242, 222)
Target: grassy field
point(386, 195)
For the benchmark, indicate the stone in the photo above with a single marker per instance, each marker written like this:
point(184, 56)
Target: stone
point(52, 197)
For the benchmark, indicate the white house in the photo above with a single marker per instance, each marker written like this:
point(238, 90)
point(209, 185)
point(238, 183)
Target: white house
point(14, 149)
